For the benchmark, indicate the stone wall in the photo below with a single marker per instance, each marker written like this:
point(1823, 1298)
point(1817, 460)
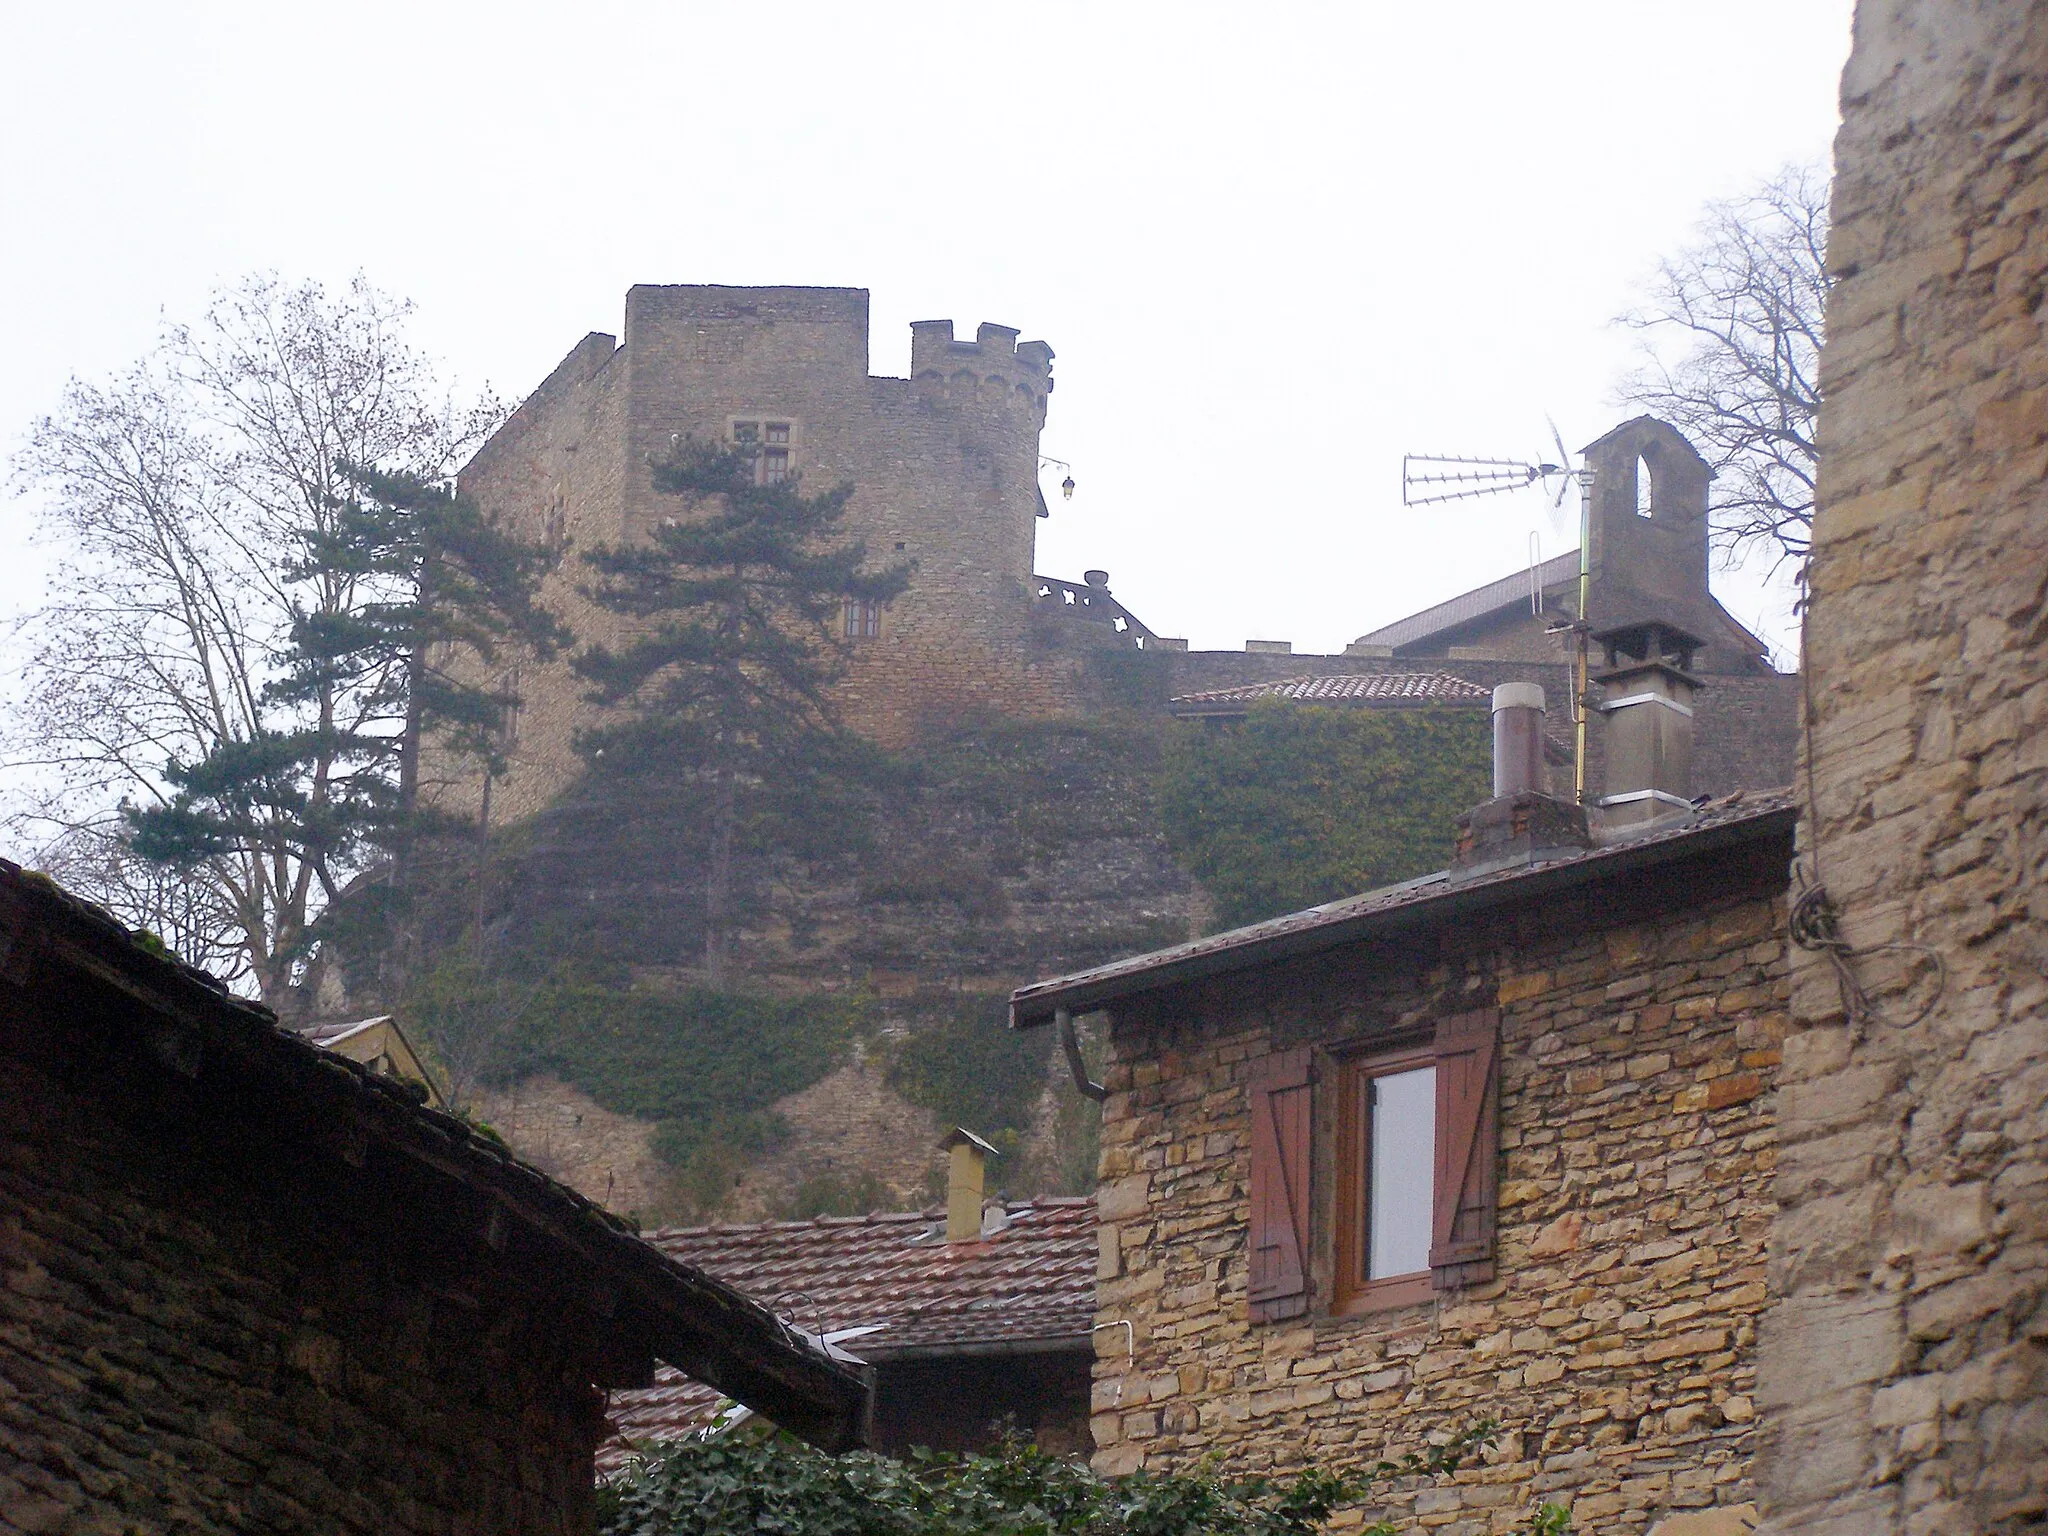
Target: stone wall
point(1905, 1373)
point(194, 1346)
point(556, 472)
point(1639, 1038)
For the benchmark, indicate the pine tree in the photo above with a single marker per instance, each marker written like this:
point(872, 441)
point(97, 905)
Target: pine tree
point(735, 611)
point(410, 596)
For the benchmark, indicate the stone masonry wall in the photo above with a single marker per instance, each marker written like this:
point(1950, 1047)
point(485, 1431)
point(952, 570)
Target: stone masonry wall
point(186, 1350)
point(555, 472)
point(1616, 1345)
point(1905, 1371)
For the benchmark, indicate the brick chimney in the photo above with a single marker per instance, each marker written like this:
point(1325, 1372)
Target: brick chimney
point(1520, 822)
point(1649, 685)
point(966, 1183)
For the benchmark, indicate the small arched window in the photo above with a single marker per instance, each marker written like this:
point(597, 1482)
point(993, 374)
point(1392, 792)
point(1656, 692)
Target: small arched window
point(1645, 489)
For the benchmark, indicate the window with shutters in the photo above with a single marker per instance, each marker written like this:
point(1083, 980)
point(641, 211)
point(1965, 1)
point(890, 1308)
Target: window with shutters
point(1386, 1181)
point(1417, 1147)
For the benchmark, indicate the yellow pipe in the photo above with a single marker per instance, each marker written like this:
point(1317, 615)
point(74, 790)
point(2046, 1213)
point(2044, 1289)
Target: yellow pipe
point(1581, 628)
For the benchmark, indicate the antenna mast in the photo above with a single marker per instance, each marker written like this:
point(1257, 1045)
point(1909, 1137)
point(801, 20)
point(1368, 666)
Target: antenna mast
point(1429, 478)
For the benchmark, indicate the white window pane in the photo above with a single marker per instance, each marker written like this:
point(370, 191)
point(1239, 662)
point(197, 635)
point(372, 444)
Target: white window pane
point(1403, 1163)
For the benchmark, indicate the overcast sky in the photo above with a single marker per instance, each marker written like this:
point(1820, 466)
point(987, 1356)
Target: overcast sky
point(1274, 245)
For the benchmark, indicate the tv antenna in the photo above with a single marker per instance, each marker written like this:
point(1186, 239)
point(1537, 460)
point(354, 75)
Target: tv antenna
point(1430, 478)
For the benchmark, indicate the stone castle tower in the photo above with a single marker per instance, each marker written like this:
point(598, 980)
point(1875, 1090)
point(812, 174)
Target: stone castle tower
point(944, 466)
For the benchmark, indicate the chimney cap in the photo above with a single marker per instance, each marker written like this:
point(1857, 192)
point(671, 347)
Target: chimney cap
point(1518, 696)
point(960, 1135)
point(1648, 640)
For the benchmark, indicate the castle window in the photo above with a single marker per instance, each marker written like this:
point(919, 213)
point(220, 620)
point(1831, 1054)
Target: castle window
point(863, 619)
point(555, 529)
point(771, 443)
point(1646, 489)
point(508, 719)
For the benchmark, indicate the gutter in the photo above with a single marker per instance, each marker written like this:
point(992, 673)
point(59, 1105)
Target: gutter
point(1064, 1344)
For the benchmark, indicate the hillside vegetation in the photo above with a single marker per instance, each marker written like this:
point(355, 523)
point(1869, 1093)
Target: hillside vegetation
point(884, 916)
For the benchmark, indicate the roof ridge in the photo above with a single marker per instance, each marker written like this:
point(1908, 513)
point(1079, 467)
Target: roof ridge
point(1389, 684)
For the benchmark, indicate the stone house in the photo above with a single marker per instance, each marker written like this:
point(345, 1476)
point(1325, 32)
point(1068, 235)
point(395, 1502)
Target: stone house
point(1905, 1365)
point(1497, 1142)
point(1648, 561)
point(249, 1284)
point(974, 1321)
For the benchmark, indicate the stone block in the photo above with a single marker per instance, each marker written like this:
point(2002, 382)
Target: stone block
point(1728, 1520)
point(1814, 1346)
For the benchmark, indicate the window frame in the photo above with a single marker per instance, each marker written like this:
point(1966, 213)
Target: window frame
point(767, 432)
point(860, 619)
point(1351, 1291)
point(1308, 1177)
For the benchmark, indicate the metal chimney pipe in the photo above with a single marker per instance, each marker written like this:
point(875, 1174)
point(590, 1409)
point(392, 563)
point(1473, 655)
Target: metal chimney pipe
point(1517, 739)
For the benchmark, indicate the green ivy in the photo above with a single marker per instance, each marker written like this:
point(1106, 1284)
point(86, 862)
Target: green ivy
point(837, 1192)
point(705, 1065)
point(1301, 805)
point(967, 1066)
point(737, 1485)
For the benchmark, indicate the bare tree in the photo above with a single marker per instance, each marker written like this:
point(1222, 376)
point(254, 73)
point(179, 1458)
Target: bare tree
point(1732, 329)
point(191, 918)
point(177, 496)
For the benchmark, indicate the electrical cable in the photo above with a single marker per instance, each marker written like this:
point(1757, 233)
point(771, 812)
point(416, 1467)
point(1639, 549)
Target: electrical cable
point(1815, 923)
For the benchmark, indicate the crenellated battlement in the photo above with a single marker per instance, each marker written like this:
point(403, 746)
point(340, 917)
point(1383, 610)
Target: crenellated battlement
point(994, 358)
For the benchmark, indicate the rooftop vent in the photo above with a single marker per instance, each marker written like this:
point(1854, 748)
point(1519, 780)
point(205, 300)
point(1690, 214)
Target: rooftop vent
point(1520, 823)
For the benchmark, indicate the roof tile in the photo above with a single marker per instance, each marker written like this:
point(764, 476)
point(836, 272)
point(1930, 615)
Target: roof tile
point(1367, 688)
point(891, 1275)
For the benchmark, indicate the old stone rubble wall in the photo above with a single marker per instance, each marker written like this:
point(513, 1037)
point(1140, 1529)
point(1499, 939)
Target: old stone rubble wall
point(1616, 1345)
point(1905, 1370)
point(183, 1351)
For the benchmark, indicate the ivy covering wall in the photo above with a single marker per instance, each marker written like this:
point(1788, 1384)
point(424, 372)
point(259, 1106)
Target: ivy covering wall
point(1298, 805)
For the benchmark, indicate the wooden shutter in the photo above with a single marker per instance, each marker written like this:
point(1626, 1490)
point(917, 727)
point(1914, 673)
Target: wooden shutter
point(1279, 1220)
point(1467, 1148)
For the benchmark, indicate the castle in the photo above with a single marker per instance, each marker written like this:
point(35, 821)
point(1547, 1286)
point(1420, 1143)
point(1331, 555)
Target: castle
point(945, 469)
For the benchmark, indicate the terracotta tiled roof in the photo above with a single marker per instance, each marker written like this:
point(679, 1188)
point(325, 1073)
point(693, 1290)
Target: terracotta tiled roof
point(1370, 688)
point(883, 1286)
point(1447, 896)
